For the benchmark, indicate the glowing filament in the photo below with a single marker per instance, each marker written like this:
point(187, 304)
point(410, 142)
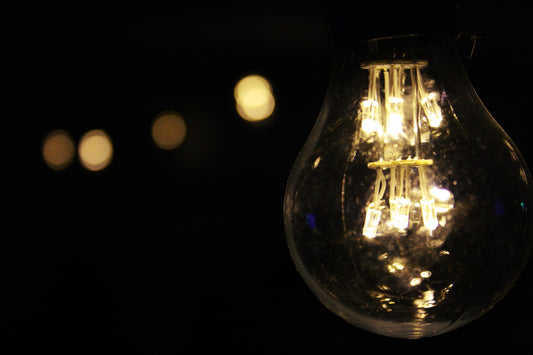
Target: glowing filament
point(432, 109)
point(427, 203)
point(399, 200)
point(429, 213)
point(401, 110)
point(400, 195)
point(394, 116)
point(369, 115)
point(373, 214)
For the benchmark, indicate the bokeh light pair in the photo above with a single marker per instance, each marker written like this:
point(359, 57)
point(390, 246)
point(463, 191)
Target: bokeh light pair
point(254, 98)
point(95, 150)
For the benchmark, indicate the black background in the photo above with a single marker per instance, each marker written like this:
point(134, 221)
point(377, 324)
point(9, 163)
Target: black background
point(168, 251)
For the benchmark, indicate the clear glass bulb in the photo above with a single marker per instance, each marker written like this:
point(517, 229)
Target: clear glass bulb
point(408, 211)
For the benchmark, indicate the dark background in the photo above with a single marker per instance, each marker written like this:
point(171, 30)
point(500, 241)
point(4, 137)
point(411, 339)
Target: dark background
point(165, 251)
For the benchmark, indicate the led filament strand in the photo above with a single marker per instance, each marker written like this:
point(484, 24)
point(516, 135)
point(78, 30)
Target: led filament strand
point(400, 200)
point(373, 212)
point(398, 126)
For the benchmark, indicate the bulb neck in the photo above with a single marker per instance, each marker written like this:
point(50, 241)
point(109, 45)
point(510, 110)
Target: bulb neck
point(407, 48)
point(435, 52)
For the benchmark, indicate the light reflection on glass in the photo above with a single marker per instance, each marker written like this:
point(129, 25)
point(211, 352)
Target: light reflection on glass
point(415, 281)
point(315, 164)
point(254, 98)
point(168, 130)
point(58, 149)
point(425, 274)
point(443, 199)
point(426, 301)
point(95, 150)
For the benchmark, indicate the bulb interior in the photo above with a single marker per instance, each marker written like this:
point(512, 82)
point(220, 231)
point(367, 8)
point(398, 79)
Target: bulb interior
point(396, 116)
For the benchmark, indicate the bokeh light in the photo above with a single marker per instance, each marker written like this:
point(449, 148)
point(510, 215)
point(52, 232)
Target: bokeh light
point(168, 130)
point(254, 99)
point(95, 150)
point(58, 149)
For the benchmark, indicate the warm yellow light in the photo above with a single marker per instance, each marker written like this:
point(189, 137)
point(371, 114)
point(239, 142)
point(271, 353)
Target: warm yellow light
point(369, 125)
point(168, 131)
point(58, 149)
point(401, 111)
point(398, 265)
point(415, 281)
point(395, 124)
point(369, 113)
point(443, 199)
point(256, 113)
point(95, 150)
point(432, 109)
point(395, 118)
point(427, 300)
point(250, 83)
point(254, 98)
point(425, 274)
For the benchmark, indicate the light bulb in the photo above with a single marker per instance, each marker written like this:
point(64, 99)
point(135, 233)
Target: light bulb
point(408, 211)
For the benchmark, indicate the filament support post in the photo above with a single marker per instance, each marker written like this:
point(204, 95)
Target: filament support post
point(387, 64)
point(385, 164)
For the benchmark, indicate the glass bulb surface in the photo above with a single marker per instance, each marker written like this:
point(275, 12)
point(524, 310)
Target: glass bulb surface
point(408, 211)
